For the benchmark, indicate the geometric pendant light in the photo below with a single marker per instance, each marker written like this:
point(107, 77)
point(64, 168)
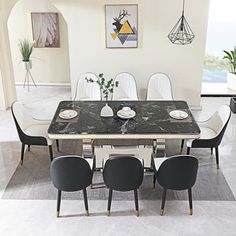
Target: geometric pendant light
point(181, 33)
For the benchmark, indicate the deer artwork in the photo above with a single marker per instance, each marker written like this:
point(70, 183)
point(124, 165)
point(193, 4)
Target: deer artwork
point(118, 19)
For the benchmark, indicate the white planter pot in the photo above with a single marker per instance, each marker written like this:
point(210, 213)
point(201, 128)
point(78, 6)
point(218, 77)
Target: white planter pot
point(27, 65)
point(106, 111)
point(231, 81)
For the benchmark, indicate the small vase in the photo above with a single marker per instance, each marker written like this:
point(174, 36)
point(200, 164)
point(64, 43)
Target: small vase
point(106, 111)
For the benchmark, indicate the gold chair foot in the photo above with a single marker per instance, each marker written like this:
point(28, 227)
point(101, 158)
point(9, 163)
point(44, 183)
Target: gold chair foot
point(190, 211)
point(137, 213)
point(87, 213)
point(162, 212)
point(108, 213)
point(58, 213)
point(21, 162)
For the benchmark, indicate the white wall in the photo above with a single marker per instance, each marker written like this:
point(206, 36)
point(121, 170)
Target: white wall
point(50, 65)
point(7, 88)
point(184, 64)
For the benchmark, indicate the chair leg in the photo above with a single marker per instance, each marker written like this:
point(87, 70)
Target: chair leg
point(211, 150)
point(86, 202)
point(109, 203)
point(57, 142)
point(22, 153)
point(136, 201)
point(188, 150)
point(28, 148)
point(182, 145)
point(217, 157)
point(154, 180)
point(58, 202)
point(163, 201)
point(190, 201)
point(50, 152)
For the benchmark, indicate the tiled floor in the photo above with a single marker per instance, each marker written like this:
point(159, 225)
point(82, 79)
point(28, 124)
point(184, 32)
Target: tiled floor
point(37, 217)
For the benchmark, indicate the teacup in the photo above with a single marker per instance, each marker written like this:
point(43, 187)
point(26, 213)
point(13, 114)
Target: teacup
point(126, 110)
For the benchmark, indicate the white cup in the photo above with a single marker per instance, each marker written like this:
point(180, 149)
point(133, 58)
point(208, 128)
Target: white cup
point(126, 110)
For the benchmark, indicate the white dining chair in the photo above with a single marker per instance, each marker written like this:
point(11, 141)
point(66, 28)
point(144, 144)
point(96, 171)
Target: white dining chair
point(30, 130)
point(127, 89)
point(159, 87)
point(87, 91)
point(212, 132)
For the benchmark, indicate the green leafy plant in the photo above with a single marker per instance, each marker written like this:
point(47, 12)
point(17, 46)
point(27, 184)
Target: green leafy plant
point(26, 49)
point(106, 87)
point(231, 57)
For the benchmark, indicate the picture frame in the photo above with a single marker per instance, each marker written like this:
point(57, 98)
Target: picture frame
point(121, 23)
point(45, 29)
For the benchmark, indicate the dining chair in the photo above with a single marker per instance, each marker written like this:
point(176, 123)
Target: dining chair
point(212, 132)
point(30, 130)
point(86, 90)
point(70, 174)
point(159, 87)
point(127, 89)
point(177, 173)
point(123, 173)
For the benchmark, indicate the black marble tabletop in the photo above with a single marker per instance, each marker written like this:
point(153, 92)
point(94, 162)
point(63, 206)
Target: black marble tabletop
point(152, 117)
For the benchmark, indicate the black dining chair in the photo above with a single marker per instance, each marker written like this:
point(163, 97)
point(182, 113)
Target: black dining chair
point(123, 173)
point(30, 130)
point(212, 132)
point(177, 173)
point(70, 174)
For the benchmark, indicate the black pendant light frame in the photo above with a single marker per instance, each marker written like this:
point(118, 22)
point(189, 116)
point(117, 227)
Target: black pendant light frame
point(181, 33)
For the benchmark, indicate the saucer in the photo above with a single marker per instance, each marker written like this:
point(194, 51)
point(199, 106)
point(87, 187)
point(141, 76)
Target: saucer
point(68, 114)
point(125, 115)
point(178, 114)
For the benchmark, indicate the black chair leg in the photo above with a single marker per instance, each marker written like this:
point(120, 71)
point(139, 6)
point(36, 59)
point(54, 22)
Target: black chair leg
point(163, 201)
point(109, 202)
point(28, 148)
point(50, 152)
point(190, 201)
point(86, 201)
point(217, 157)
point(58, 202)
point(211, 151)
point(136, 201)
point(188, 150)
point(154, 180)
point(182, 145)
point(22, 153)
point(57, 142)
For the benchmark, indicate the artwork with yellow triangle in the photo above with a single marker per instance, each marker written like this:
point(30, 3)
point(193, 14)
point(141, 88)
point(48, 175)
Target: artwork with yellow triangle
point(123, 26)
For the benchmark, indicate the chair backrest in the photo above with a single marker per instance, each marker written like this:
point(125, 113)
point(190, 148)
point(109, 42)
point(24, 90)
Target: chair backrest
point(159, 87)
point(178, 172)
point(123, 173)
point(21, 116)
point(70, 173)
point(126, 89)
point(220, 118)
point(87, 90)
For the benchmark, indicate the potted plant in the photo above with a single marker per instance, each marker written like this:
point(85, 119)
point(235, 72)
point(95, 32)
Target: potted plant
point(26, 49)
point(231, 77)
point(107, 88)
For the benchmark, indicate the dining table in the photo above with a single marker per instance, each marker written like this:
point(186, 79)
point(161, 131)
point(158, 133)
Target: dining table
point(152, 121)
point(145, 133)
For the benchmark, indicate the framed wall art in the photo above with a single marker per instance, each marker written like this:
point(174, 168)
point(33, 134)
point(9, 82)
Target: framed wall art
point(45, 27)
point(121, 26)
